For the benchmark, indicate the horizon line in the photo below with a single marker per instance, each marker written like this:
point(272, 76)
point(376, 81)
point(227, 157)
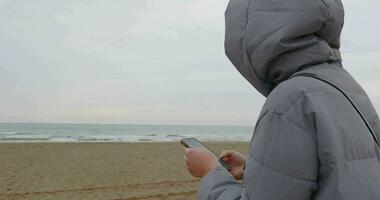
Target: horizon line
point(104, 123)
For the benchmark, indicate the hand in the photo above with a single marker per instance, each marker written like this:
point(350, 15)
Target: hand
point(236, 160)
point(200, 161)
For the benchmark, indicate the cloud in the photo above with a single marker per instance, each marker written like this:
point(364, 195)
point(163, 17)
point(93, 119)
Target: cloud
point(143, 61)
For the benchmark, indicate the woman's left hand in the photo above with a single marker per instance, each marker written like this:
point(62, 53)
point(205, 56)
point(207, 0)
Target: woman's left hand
point(200, 161)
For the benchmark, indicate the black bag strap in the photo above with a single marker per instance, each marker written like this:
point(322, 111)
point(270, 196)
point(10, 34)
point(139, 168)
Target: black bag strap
point(348, 98)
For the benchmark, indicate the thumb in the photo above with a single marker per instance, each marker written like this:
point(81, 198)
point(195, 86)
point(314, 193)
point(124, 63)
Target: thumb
point(225, 154)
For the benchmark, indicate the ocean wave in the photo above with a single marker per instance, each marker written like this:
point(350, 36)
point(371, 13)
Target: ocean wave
point(117, 138)
point(173, 135)
point(24, 138)
point(8, 132)
point(128, 140)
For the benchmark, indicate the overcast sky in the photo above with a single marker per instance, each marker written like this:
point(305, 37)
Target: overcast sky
point(143, 61)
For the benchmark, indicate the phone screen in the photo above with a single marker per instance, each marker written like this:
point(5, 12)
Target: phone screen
point(192, 143)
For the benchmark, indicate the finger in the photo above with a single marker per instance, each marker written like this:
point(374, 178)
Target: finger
point(226, 159)
point(226, 153)
point(186, 159)
point(187, 166)
point(188, 151)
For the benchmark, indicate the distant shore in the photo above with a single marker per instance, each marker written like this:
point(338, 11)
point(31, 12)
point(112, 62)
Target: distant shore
point(129, 171)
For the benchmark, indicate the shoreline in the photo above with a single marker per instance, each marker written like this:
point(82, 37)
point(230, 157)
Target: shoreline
point(111, 142)
point(21, 133)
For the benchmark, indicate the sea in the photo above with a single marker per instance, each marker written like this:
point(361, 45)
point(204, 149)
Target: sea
point(54, 132)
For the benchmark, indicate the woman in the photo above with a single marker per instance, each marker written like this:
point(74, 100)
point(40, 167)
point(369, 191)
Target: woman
point(309, 141)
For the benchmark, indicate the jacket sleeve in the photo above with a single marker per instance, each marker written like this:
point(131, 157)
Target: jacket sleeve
point(281, 164)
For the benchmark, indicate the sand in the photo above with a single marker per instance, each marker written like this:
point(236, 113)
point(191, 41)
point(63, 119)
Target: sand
point(107, 171)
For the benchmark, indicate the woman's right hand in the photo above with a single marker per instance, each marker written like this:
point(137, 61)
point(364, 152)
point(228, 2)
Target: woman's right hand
point(236, 160)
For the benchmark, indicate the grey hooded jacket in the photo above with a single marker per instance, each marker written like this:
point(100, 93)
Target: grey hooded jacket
point(309, 142)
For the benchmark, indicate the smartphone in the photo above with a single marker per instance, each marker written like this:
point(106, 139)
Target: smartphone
point(194, 143)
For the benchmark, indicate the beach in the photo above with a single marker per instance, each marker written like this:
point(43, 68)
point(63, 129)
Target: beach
point(106, 171)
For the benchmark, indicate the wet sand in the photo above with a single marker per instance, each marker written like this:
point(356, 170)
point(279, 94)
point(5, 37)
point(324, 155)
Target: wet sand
point(98, 171)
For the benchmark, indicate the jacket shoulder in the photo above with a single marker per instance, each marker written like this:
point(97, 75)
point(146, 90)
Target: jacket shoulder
point(292, 92)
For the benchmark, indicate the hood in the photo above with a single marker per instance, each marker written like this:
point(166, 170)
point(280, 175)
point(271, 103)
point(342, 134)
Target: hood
point(269, 40)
